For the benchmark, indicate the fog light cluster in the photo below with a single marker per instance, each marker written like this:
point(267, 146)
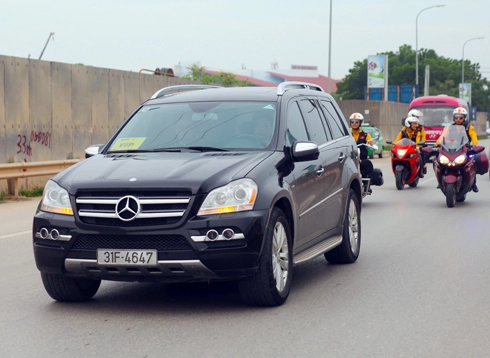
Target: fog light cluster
point(52, 234)
point(226, 234)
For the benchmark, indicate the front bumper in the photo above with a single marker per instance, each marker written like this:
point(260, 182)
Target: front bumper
point(184, 253)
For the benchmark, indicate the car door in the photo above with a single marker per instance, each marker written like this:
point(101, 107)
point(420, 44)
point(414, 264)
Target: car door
point(337, 153)
point(308, 184)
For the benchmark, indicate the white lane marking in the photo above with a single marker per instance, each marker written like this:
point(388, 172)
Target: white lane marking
point(15, 234)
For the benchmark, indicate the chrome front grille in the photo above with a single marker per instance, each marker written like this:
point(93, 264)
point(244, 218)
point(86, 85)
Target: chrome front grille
point(129, 209)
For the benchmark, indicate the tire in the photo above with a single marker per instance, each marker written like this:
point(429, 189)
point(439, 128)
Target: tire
point(271, 284)
point(348, 251)
point(371, 156)
point(380, 155)
point(461, 198)
point(399, 180)
point(414, 183)
point(67, 289)
point(450, 195)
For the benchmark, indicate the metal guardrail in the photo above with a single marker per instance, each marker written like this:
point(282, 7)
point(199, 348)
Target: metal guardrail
point(15, 171)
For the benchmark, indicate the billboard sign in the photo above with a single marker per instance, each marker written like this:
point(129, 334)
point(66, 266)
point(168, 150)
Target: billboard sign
point(465, 91)
point(377, 71)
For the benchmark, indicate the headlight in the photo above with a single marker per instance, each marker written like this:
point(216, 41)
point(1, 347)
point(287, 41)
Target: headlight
point(401, 153)
point(460, 159)
point(236, 196)
point(443, 159)
point(56, 199)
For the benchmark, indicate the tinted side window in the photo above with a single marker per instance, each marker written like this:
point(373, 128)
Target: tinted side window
point(313, 121)
point(335, 122)
point(296, 130)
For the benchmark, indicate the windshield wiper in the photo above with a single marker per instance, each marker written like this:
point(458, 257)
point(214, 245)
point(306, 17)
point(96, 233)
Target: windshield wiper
point(146, 150)
point(206, 149)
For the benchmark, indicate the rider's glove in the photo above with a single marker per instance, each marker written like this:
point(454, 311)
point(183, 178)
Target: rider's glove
point(375, 147)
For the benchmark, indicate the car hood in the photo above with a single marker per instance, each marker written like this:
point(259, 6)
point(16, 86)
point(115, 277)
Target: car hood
point(199, 172)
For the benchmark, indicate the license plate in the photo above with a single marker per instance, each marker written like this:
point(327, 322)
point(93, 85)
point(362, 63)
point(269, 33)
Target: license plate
point(127, 257)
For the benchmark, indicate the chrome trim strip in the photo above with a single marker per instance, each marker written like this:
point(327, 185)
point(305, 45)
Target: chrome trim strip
point(60, 238)
point(220, 238)
point(321, 202)
point(143, 201)
point(142, 215)
point(194, 268)
point(317, 250)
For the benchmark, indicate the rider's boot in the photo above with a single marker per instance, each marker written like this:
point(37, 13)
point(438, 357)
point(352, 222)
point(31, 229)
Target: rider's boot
point(475, 188)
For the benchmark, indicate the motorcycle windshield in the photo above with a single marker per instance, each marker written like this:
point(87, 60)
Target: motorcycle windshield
point(453, 138)
point(404, 142)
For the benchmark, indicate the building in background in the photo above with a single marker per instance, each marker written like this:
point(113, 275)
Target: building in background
point(271, 77)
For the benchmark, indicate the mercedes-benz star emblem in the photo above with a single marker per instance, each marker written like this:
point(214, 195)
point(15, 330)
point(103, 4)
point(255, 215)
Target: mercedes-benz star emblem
point(127, 208)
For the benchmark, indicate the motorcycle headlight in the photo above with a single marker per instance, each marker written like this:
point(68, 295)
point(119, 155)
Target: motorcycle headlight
point(239, 195)
point(443, 159)
point(56, 199)
point(460, 159)
point(401, 153)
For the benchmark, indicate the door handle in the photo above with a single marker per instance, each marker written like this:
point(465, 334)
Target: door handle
point(342, 157)
point(320, 171)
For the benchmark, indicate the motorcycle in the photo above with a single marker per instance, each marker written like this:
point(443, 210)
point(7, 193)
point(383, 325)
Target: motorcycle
point(370, 175)
point(405, 163)
point(455, 165)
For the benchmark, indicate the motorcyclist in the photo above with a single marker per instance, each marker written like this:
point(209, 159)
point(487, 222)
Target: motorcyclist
point(420, 128)
point(460, 118)
point(412, 131)
point(359, 135)
point(362, 137)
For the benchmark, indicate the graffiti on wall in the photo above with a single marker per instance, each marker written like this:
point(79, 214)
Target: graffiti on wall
point(24, 143)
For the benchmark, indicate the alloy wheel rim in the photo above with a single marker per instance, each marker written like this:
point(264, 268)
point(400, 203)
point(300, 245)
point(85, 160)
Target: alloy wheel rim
point(353, 228)
point(280, 257)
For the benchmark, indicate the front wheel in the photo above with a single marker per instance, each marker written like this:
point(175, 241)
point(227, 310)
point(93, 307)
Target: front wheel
point(348, 251)
point(450, 195)
point(399, 180)
point(271, 284)
point(414, 183)
point(67, 289)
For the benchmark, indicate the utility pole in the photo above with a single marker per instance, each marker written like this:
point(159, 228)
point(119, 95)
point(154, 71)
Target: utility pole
point(42, 52)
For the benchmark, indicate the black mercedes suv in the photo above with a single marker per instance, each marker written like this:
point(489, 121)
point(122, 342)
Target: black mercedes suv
point(206, 183)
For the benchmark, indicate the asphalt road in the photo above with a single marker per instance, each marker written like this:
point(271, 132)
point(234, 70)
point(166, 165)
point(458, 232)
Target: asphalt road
point(419, 289)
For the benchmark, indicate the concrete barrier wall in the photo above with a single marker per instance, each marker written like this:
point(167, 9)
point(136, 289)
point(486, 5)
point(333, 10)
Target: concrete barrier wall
point(53, 111)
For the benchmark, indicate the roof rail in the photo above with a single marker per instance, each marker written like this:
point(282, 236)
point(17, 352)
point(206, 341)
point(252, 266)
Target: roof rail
point(284, 86)
point(182, 88)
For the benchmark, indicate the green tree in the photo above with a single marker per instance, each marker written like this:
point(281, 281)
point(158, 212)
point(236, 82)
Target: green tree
point(445, 76)
point(197, 73)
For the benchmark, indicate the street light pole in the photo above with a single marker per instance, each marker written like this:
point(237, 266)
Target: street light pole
point(329, 46)
point(417, 43)
point(462, 62)
point(49, 37)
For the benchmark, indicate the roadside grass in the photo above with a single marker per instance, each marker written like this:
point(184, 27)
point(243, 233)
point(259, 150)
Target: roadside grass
point(26, 193)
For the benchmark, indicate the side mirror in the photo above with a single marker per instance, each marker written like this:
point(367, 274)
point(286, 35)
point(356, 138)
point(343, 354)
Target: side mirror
point(389, 142)
point(305, 151)
point(93, 150)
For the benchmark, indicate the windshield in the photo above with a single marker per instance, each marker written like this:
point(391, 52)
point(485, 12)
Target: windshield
point(436, 116)
point(198, 126)
point(453, 138)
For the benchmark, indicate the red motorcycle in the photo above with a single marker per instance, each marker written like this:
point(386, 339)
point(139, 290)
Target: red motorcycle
point(457, 164)
point(405, 163)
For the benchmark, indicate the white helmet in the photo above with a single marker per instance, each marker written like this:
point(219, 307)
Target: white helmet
point(356, 117)
point(410, 120)
point(461, 111)
point(415, 113)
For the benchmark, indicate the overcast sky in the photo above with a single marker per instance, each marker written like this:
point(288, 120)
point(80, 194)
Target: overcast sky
point(228, 34)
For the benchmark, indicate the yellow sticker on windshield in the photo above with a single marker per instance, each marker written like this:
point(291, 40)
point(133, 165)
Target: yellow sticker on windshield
point(127, 143)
